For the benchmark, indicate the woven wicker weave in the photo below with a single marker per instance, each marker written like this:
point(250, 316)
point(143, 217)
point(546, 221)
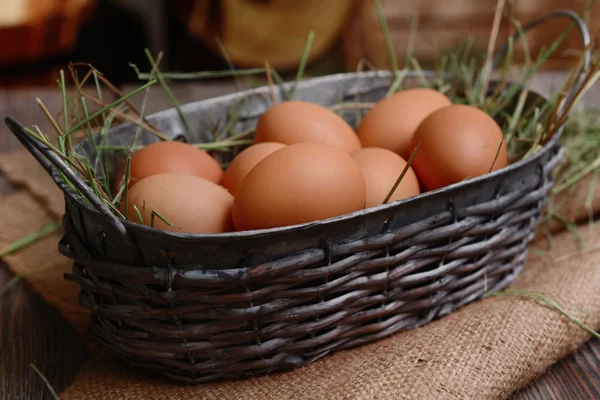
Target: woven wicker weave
point(200, 325)
point(199, 308)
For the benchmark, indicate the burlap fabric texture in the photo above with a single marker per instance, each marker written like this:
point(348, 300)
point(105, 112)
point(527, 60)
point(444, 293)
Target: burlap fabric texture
point(486, 350)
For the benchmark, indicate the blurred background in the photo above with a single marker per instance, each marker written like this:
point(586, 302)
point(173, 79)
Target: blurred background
point(39, 37)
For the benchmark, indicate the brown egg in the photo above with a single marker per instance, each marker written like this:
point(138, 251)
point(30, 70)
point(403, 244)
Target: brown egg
point(292, 122)
point(192, 204)
point(391, 123)
point(245, 161)
point(457, 142)
point(172, 156)
point(300, 183)
point(382, 168)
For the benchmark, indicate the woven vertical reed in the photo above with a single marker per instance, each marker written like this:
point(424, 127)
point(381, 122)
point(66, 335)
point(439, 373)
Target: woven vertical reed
point(200, 308)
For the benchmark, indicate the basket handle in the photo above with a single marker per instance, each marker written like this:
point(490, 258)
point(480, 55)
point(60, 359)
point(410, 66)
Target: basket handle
point(585, 37)
point(49, 161)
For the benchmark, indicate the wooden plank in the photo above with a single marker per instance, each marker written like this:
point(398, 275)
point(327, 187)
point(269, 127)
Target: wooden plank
point(575, 377)
point(33, 332)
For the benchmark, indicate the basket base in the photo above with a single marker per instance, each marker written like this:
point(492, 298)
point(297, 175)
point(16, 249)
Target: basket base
point(394, 317)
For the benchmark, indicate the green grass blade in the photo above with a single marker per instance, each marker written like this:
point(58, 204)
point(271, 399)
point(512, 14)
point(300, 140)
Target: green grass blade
point(12, 282)
point(139, 215)
point(540, 297)
point(31, 238)
point(577, 176)
point(46, 382)
point(108, 107)
point(280, 83)
point(402, 174)
point(171, 95)
point(388, 38)
point(200, 75)
point(303, 62)
point(98, 91)
point(230, 65)
point(162, 218)
point(414, 25)
point(152, 76)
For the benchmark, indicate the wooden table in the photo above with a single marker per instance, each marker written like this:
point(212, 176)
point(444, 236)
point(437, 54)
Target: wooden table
point(32, 331)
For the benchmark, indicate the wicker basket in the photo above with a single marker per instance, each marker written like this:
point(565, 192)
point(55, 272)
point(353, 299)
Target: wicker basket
point(200, 308)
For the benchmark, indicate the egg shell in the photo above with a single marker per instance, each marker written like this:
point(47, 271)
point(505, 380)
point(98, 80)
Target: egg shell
point(291, 122)
point(381, 169)
point(245, 161)
point(170, 156)
point(392, 122)
point(192, 204)
point(457, 142)
point(300, 183)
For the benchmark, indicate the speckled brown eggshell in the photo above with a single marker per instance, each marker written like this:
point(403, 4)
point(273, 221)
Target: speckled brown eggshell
point(300, 183)
point(291, 122)
point(457, 142)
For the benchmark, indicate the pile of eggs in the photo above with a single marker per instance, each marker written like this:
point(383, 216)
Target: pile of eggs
point(307, 164)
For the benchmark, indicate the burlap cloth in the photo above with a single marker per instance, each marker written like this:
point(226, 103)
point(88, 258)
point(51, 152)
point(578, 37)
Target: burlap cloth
point(486, 350)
